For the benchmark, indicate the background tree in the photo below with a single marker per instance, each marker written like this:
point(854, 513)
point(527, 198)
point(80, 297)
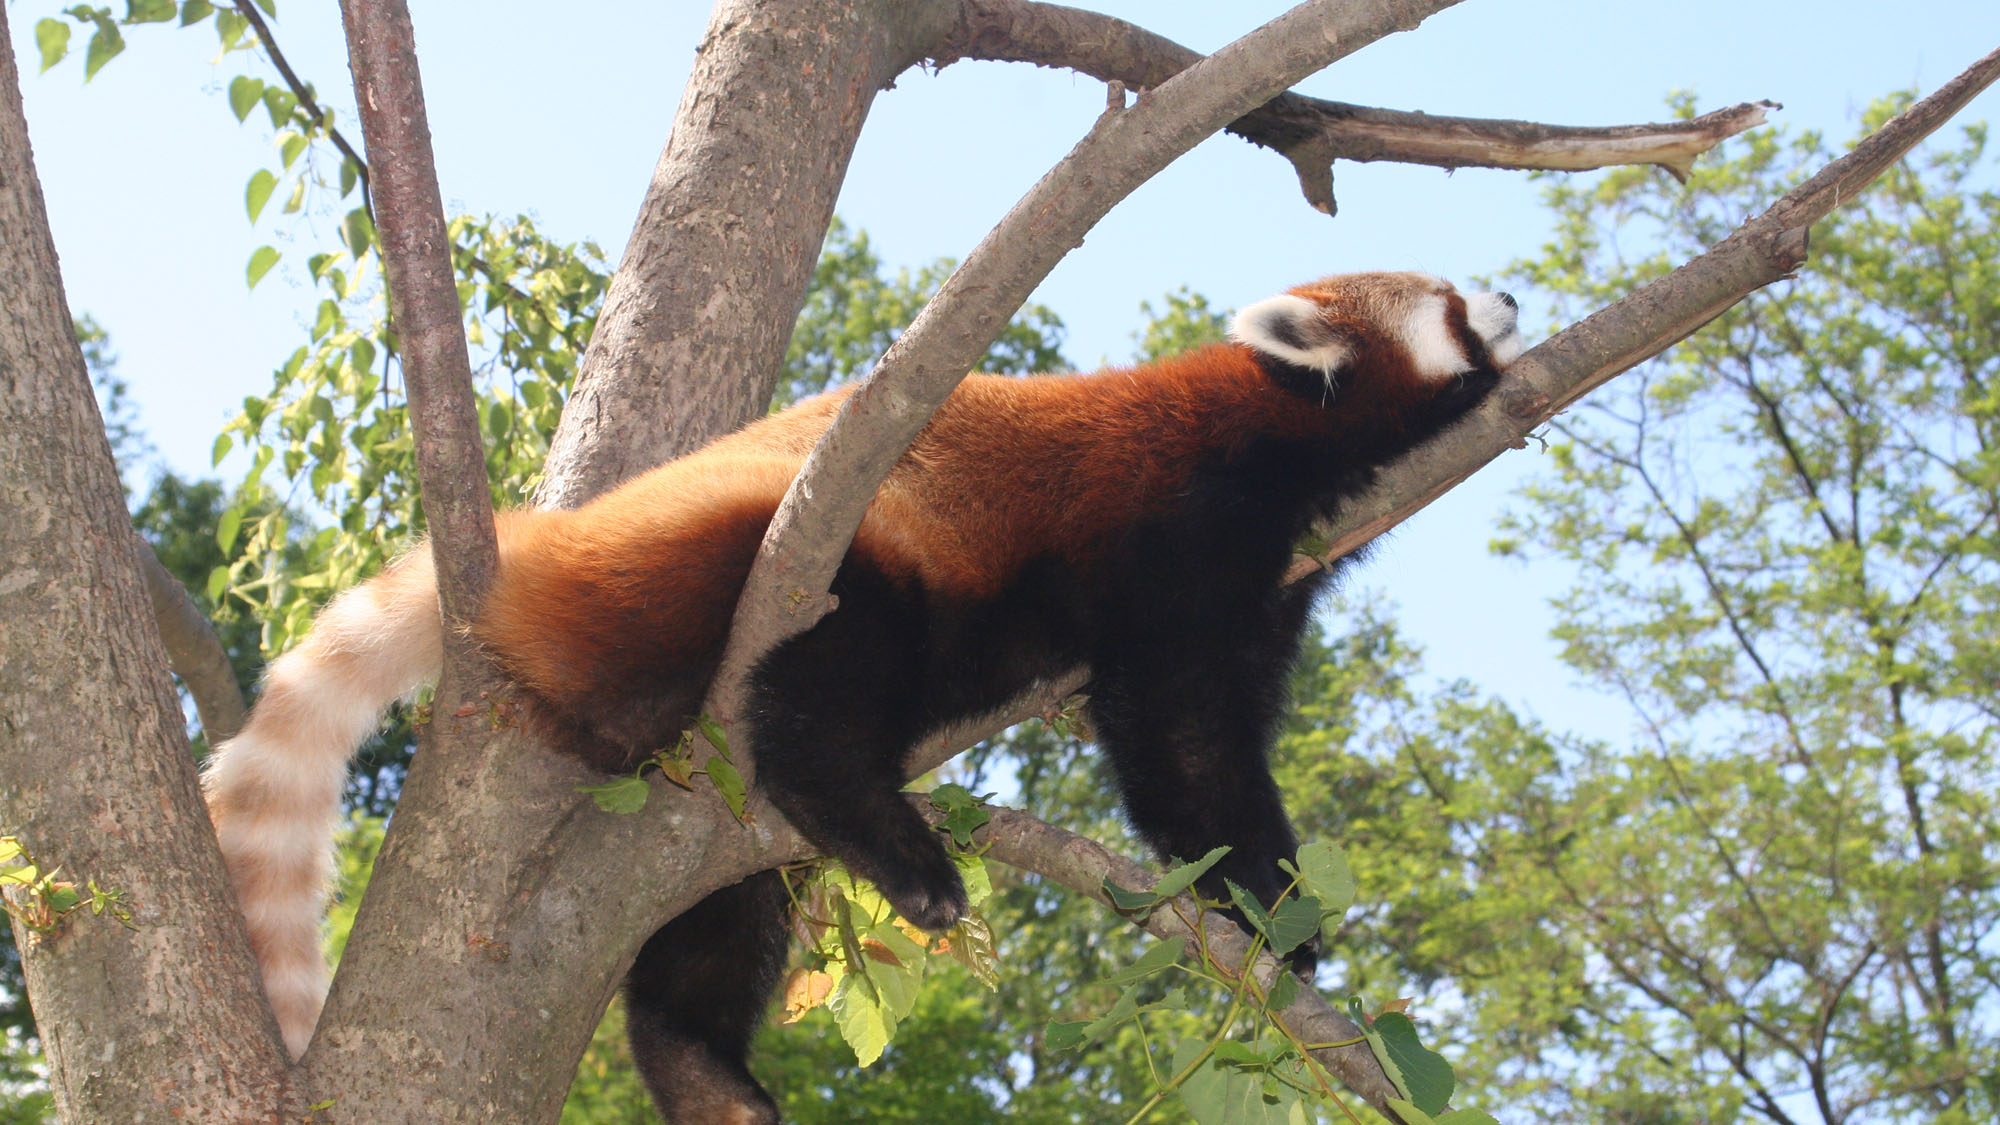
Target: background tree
point(1773, 902)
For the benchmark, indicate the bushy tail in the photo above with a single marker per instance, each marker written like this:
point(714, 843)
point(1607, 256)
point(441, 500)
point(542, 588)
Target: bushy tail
point(274, 789)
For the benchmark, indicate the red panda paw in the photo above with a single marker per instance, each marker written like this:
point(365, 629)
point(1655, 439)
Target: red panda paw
point(930, 896)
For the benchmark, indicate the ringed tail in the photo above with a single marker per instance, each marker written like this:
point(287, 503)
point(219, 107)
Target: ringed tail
point(274, 790)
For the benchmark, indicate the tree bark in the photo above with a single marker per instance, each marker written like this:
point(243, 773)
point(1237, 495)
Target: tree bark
point(95, 774)
point(694, 327)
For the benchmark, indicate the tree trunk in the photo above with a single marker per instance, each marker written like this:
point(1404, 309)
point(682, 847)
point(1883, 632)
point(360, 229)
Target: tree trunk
point(95, 774)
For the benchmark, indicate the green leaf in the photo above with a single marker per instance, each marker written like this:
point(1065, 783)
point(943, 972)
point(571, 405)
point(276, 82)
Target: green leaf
point(1283, 991)
point(1294, 922)
point(1129, 902)
point(349, 176)
point(279, 103)
point(1158, 959)
point(218, 581)
point(1065, 1035)
point(229, 27)
point(1410, 1114)
point(1468, 1117)
point(1252, 910)
point(227, 527)
point(258, 191)
point(962, 823)
point(290, 146)
point(1323, 873)
point(620, 795)
point(1178, 879)
point(978, 884)
point(104, 46)
point(261, 261)
point(713, 732)
point(195, 11)
point(223, 442)
point(52, 36)
point(729, 783)
point(862, 1020)
point(1219, 1094)
point(270, 7)
point(1426, 1076)
point(244, 91)
point(148, 11)
point(357, 232)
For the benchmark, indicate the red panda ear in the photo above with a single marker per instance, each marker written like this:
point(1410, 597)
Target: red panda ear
point(1292, 329)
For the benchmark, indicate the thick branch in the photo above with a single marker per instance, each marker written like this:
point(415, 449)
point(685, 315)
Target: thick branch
point(1311, 132)
point(694, 327)
point(1584, 356)
point(786, 590)
point(193, 650)
point(423, 298)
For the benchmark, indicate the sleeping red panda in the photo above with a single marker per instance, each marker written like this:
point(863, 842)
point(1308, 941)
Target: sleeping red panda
point(1137, 522)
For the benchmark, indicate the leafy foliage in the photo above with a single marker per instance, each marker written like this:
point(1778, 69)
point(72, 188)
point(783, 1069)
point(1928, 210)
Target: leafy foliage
point(1773, 901)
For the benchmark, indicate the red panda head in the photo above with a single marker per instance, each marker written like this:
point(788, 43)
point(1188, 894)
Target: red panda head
point(1406, 331)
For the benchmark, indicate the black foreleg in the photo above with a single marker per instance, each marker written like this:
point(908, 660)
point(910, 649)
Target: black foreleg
point(695, 997)
point(834, 713)
point(1188, 723)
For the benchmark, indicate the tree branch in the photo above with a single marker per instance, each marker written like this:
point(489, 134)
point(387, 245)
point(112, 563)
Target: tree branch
point(1082, 865)
point(193, 650)
point(694, 327)
point(248, 10)
point(786, 590)
point(423, 299)
point(1312, 132)
point(1575, 361)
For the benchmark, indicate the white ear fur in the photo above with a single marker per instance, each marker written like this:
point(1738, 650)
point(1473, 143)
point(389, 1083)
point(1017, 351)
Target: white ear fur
point(1291, 329)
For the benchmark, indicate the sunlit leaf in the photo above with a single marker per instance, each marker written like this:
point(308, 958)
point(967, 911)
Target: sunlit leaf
point(52, 37)
point(261, 261)
point(258, 191)
point(244, 93)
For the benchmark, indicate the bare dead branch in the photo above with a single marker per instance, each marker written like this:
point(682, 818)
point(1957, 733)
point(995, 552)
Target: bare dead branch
point(1312, 132)
point(423, 298)
point(786, 591)
point(193, 650)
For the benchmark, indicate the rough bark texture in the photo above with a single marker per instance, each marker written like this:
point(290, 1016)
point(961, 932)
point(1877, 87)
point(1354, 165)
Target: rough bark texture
point(695, 324)
point(95, 774)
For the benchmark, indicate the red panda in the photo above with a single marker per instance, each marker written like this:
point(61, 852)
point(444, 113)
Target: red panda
point(1136, 522)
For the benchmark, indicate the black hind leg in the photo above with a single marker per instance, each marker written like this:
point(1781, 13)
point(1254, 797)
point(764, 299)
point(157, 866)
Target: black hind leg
point(696, 995)
point(834, 713)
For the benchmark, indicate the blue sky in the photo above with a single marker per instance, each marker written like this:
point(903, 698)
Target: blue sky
point(560, 111)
